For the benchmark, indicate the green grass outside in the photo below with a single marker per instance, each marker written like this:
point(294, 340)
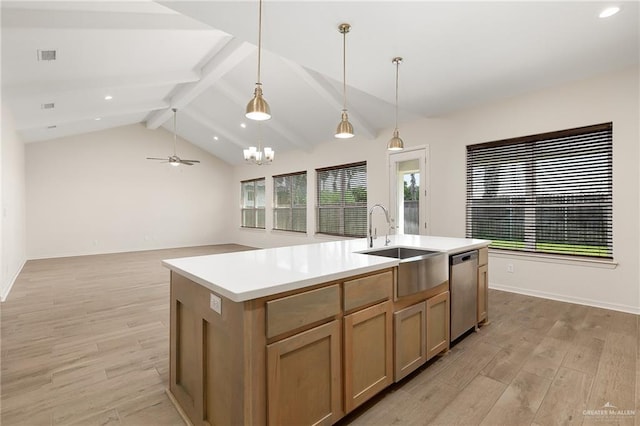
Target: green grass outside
point(583, 250)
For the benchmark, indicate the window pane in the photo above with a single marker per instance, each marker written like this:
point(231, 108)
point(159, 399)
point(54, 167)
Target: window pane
point(290, 202)
point(342, 197)
point(299, 220)
point(252, 199)
point(329, 221)
point(355, 221)
point(282, 219)
point(248, 194)
point(299, 184)
point(259, 218)
point(260, 193)
point(549, 193)
point(248, 218)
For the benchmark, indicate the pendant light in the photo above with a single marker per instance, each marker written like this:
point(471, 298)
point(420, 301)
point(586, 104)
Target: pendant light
point(345, 129)
point(258, 108)
point(395, 143)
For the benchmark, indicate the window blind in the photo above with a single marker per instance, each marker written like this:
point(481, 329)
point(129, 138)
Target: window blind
point(342, 200)
point(547, 193)
point(252, 205)
point(290, 202)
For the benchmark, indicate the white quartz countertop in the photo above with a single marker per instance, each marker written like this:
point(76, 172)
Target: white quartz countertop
point(246, 275)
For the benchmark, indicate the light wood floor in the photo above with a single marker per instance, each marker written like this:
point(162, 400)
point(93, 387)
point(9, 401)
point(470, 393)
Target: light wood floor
point(84, 341)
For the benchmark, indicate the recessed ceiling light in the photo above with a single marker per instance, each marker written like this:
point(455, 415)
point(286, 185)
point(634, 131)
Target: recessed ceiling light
point(98, 118)
point(108, 98)
point(215, 138)
point(609, 11)
point(244, 126)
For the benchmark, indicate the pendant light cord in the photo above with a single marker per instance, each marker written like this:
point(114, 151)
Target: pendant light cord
point(259, 39)
point(397, 70)
point(344, 70)
point(174, 132)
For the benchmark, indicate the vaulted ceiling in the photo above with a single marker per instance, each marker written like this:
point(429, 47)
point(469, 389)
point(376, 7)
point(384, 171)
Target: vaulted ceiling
point(201, 58)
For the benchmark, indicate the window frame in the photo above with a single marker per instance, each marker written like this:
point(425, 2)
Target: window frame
point(342, 205)
point(257, 210)
point(292, 206)
point(542, 191)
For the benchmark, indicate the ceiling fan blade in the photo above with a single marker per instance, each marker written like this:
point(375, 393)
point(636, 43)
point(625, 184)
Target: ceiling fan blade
point(191, 161)
point(156, 158)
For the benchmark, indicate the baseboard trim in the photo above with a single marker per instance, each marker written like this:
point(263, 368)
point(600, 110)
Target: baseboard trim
point(561, 298)
point(5, 292)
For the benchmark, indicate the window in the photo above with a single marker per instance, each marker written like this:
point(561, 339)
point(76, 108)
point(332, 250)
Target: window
point(548, 193)
point(290, 202)
point(342, 200)
point(252, 203)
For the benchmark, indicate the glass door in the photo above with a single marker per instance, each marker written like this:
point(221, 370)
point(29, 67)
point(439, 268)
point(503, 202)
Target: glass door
point(408, 194)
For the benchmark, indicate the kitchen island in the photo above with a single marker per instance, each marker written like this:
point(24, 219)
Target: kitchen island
point(301, 334)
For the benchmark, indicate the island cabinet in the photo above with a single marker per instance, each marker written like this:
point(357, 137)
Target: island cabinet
point(306, 356)
point(304, 370)
point(421, 329)
point(483, 285)
point(368, 338)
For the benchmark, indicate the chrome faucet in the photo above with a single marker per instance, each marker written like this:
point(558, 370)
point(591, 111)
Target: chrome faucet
point(386, 214)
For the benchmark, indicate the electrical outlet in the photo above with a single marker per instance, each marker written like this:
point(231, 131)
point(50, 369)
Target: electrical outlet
point(215, 303)
point(510, 267)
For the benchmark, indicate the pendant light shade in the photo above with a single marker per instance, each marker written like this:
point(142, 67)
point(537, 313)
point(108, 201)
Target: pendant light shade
point(258, 108)
point(395, 143)
point(345, 129)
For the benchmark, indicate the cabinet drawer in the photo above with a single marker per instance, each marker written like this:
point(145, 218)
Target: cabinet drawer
point(298, 310)
point(368, 290)
point(483, 256)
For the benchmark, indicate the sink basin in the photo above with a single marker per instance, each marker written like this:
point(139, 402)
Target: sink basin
point(401, 253)
point(419, 270)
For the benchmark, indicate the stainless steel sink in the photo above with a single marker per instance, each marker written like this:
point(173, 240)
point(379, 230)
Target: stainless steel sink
point(418, 270)
point(401, 252)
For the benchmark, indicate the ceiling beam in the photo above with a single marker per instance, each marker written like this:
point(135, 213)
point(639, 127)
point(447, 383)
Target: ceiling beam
point(320, 84)
point(96, 19)
point(104, 84)
point(276, 125)
point(74, 117)
point(228, 57)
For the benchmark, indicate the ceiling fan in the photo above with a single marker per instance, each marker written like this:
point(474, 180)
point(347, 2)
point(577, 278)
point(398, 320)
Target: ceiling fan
point(174, 160)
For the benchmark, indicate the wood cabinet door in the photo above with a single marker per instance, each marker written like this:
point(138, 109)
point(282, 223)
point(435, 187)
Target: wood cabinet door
point(483, 293)
point(437, 324)
point(368, 362)
point(304, 385)
point(410, 346)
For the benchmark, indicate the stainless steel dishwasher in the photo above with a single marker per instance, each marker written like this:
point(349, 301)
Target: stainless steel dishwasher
point(463, 283)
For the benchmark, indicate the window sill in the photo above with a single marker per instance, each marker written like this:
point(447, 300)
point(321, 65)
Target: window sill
point(249, 228)
point(302, 234)
point(550, 258)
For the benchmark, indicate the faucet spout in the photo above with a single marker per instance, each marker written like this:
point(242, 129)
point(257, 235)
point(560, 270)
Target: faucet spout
point(386, 214)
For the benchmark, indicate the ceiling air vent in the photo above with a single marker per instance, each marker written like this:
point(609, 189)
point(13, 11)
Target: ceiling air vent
point(49, 105)
point(47, 55)
point(52, 127)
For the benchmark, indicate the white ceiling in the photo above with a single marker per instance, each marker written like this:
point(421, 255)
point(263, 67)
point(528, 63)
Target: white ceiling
point(201, 57)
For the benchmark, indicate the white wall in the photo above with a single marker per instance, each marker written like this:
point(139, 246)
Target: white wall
point(13, 228)
point(612, 97)
point(97, 193)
